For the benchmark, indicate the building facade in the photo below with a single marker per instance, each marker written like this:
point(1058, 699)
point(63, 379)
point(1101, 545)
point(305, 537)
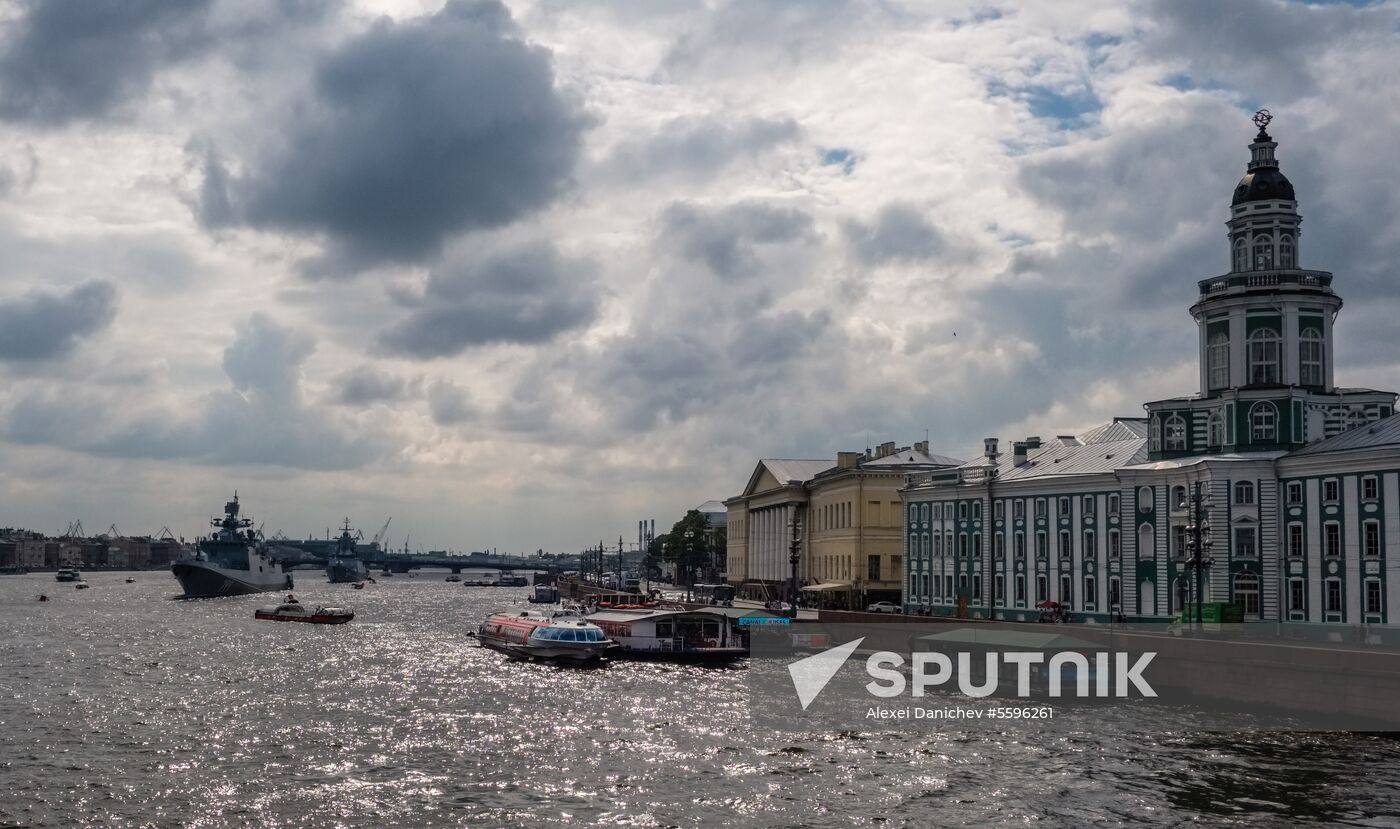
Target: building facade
point(848, 519)
point(1290, 480)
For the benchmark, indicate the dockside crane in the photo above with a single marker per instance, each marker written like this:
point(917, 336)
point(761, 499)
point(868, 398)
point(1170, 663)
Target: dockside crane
point(379, 536)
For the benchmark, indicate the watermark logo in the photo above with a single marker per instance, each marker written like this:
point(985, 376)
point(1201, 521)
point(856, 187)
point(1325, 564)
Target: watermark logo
point(811, 675)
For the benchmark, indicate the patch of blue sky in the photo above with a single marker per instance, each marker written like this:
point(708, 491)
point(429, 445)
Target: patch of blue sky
point(839, 157)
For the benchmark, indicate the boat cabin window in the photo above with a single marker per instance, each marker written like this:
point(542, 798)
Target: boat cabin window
point(664, 631)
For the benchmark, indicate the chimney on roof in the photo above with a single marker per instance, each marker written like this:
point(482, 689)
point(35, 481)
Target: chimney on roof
point(847, 460)
point(1018, 453)
point(1033, 442)
point(989, 449)
point(1068, 440)
point(921, 447)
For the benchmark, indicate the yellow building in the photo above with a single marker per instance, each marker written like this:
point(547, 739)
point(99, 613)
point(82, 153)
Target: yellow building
point(849, 524)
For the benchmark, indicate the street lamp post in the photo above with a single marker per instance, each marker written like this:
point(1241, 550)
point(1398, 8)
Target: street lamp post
point(689, 554)
point(795, 555)
point(1199, 546)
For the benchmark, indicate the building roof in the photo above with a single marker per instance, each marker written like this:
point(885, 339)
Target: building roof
point(785, 469)
point(1122, 428)
point(712, 506)
point(912, 456)
point(1192, 460)
point(1366, 436)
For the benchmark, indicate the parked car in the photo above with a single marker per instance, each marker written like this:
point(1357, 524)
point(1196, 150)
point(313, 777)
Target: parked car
point(883, 607)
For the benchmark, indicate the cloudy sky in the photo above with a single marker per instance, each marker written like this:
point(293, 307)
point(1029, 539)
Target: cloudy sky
point(521, 274)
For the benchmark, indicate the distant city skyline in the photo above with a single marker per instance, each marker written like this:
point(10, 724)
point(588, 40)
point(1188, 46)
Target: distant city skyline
point(520, 275)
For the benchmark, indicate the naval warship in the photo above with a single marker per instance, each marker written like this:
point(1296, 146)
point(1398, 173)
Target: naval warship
point(231, 561)
point(343, 566)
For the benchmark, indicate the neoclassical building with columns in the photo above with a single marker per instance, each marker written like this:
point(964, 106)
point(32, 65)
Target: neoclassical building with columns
point(1300, 479)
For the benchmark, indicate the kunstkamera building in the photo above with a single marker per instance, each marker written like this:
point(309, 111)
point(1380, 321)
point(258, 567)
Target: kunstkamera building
point(1270, 488)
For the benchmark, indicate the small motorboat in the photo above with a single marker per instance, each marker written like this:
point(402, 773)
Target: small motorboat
point(453, 578)
point(81, 585)
point(43, 598)
point(359, 585)
point(295, 611)
point(131, 581)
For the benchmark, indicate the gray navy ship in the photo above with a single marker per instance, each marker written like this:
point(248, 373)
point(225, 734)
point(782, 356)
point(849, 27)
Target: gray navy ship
point(343, 566)
point(231, 561)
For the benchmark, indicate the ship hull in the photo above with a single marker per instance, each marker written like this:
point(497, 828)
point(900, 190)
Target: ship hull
point(201, 579)
point(346, 572)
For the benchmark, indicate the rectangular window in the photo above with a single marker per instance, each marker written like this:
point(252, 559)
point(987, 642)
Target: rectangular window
point(1373, 596)
point(1020, 546)
point(1295, 594)
point(1042, 587)
point(1334, 596)
point(1245, 543)
point(1179, 541)
point(1329, 490)
point(1042, 546)
point(998, 545)
point(1066, 591)
point(1064, 544)
point(938, 512)
point(1020, 589)
point(977, 589)
point(1113, 504)
point(1000, 588)
point(948, 586)
point(1370, 489)
point(1115, 544)
point(1244, 493)
point(873, 568)
point(1295, 493)
point(1089, 548)
point(1091, 592)
point(1018, 509)
point(1115, 593)
point(1295, 540)
point(962, 510)
point(938, 544)
point(1332, 540)
point(1088, 505)
point(1371, 539)
point(997, 509)
point(1064, 507)
point(1040, 508)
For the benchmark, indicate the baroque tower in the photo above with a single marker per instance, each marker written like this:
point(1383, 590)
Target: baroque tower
point(1265, 330)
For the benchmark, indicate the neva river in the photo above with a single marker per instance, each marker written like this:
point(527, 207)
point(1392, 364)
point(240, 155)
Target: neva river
point(119, 707)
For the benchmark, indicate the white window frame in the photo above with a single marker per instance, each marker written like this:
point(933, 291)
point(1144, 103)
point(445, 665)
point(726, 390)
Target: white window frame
point(1311, 354)
point(1244, 493)
point(1264, 356)
point(1218, 361)
point(1263, 422)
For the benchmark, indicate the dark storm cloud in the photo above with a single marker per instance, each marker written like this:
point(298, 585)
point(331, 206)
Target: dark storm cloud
point(416, 130)
point(898, 233)
point(69, 59)
point(1268, 47)
point(725, 239)
point(700, 145)
point(523, 295)
point(45, 325)
point(259, 420)
point(366, 384)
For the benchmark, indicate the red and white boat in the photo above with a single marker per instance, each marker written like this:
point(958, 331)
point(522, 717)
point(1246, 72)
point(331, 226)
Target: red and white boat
point(530, 634)
point(705, 637)
point(294, 611)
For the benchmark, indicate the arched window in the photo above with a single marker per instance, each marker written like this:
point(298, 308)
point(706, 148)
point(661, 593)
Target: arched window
point(1176, 433)
point(1355, 417)
point(1215, 430)
point(1263, 356)
point(1178, 497)
point(1285, 251)
point(1263, 252)
point(1310, 357)
point(1218, 361)
point(1263, 423)
point(1241, 254)
point(1156, 434)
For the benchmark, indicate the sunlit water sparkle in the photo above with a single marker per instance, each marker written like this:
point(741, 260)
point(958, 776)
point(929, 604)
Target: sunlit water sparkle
point(121, 708)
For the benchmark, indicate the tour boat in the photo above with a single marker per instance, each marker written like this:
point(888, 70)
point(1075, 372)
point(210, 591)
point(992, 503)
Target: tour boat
point(294, 611)
point(691, 636)
point(131, 581)
point(529, 634)
point(67, 574)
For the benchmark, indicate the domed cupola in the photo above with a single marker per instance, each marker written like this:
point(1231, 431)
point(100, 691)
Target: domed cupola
point(1263, 182)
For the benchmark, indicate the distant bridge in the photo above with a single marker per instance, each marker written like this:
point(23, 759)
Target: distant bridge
point(296, 554)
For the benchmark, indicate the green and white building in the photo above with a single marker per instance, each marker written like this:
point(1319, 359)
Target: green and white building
point(1300, 479)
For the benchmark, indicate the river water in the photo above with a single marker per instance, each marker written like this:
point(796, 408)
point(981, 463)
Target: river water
point(120, 707)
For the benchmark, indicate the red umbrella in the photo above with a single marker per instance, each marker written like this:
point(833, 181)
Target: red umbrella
point(1048, 605)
